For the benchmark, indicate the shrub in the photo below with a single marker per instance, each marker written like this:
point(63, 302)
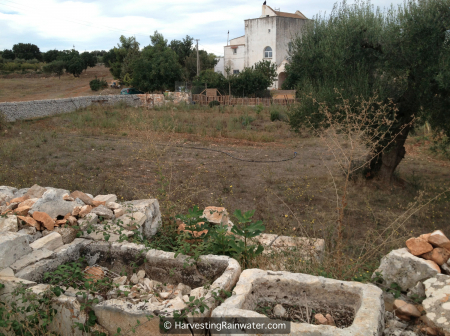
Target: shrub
point(214, 103)
point(275, 115)
point(97, 84)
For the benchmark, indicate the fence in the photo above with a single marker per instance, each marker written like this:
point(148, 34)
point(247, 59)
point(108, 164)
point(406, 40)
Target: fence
point(201, 99)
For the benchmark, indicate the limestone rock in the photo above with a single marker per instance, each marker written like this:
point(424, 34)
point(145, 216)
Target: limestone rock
point(50, 242)
point(88, 220)
point(437, 305)
point(68, 234)
point(29, 202)
point(406, 270)
point(320, 319)
point(13, 246)
point(438, 239)
point(44, 219)
point(84, 211)
point(418, 291)
point(279, 310)
point(185, 289)
point(149, 207)
point(104, 212)
point(22, 211)
point(405, 308)
point(35, 191)
point(19, 199)
point(434, 265)
point(6, 194)
point(113, 205)
point(31, 222)
point(177, 304)
point(439, 255)
point(120, 280)
point(134, 278)
point(53, 204)
point(31, 258)
point(418, 246)
point(82, 196)
point(133, 221)
point(119, 212)
point(105, 198)
point(141, 275)
point(216, 215)
point(8, 223)
point(69, 198)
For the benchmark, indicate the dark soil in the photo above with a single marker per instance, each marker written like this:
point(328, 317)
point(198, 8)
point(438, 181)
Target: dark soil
point(343, 316)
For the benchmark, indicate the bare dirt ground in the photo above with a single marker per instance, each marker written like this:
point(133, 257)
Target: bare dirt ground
point(25, 87)
point(138, 153)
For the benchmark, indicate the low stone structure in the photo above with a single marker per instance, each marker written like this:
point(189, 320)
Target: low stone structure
point(292, 288)
point(41, 108)
point(175, 275)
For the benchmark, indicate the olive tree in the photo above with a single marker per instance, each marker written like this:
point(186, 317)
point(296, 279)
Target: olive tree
point(400, 54)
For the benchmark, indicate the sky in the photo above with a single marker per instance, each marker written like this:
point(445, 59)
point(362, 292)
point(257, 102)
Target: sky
point(97, 24)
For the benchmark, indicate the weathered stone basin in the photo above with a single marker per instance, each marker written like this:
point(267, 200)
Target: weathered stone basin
point(295, 288)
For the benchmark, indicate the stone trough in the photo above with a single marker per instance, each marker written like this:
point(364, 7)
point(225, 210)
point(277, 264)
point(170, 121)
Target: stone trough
point(292, 288)
point(112, 313)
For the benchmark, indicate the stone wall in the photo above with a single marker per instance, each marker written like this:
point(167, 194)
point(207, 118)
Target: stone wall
point(41, 108)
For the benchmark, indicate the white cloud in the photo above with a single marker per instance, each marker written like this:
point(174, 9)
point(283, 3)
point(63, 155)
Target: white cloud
point(98, 24)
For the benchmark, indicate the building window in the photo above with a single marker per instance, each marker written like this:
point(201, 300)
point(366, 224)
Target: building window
point(234, 51)
point(269, 30)
point(235, 72)
point(268, 52)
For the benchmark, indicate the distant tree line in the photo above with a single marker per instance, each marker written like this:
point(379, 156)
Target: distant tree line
point(58, 62)
point(159, 65)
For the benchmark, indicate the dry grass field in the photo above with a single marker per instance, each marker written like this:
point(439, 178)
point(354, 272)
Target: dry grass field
point(25, 87)
point(139, 153)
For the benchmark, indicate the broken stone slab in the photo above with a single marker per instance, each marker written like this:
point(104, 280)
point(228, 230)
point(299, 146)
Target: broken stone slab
point(13, 246)
point(63, 254)
point(88, 220)
point(405, 269)
point(105, 198)
point(150, 207)
point(32, 234)
point(292, 288)
point(9, 224)
point(35, 191)
point(418, 246)
point(53, 204)
point(132, 221)
point(50, 242)
point(310, 247)
point(437, 304)
point(216, 215)
point(107, 232)
point(32, 258)
point(68, 234)
point(6, 194)
point(104, 212)
point(82, 196)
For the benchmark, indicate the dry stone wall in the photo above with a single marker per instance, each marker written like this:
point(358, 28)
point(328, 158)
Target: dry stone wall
point(42, 108)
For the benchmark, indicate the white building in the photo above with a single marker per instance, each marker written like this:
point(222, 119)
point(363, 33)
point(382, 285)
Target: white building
point(268, 37)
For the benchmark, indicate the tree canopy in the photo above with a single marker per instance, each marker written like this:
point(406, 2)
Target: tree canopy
point(400, 55)
point(27, 51)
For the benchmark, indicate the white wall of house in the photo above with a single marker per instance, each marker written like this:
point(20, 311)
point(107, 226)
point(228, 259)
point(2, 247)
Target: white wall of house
point(235, 57)
point(272, 29)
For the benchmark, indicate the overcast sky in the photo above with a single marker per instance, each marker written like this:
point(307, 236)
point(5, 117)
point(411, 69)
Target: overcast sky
point(98, 24)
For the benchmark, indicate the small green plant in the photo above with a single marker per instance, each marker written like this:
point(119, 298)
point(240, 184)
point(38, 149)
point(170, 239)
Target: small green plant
point(97, 84)
point(242, 249)
point(275, 115)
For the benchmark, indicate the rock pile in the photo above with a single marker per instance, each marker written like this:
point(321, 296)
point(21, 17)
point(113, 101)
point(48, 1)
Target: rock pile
point(420, 272)
point(41, 211)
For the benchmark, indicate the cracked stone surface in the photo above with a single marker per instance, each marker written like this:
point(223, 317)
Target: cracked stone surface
point(437, 303)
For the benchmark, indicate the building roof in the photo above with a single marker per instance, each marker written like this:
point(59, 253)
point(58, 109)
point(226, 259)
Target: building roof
point(296, 15)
